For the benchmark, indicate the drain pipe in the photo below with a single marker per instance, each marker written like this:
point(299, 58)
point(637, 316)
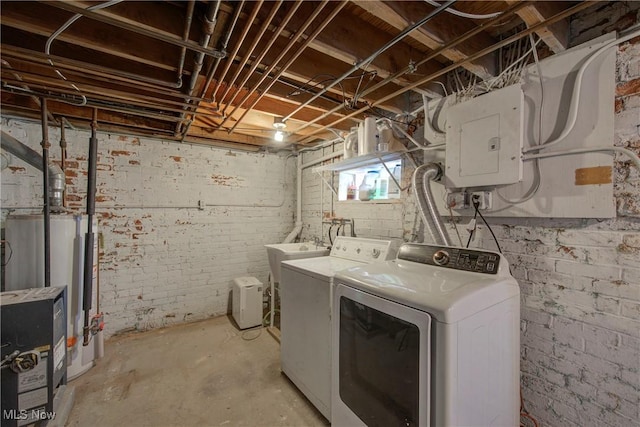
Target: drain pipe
point(89, 236)
point(210, 20)
point(33, 158)
point(210, 24)
point(47, 208)
point(298, 227)
point(421, 181)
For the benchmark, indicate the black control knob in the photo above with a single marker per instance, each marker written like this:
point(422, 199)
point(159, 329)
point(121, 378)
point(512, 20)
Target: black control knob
point(441, 257)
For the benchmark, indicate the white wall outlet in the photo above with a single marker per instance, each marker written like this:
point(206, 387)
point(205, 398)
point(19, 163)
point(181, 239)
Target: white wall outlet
point(484, 197)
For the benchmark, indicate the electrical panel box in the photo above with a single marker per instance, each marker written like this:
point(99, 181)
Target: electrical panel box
point(484, 140)
point(34, 338)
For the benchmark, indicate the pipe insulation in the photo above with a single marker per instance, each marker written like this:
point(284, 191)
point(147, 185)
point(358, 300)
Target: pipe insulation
point(421, 181)
point(89, 236)
point(56, 176)
point(45, 183)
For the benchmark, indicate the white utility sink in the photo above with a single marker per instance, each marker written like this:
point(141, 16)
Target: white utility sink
point(286, 251)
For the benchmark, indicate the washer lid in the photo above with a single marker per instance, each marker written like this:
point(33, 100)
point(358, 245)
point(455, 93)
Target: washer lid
point(448, 295)
point(322, 267)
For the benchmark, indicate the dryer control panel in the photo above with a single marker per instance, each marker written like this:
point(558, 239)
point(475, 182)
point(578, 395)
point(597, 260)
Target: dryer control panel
point(451, 257)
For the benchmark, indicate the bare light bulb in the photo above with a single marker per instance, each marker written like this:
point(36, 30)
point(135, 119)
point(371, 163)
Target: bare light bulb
point(279, 136)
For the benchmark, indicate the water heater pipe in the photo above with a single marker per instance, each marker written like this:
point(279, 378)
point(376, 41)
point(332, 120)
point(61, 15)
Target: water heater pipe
point(32, 157)
point(421, 181)
point(89, 236)
point(45, 196)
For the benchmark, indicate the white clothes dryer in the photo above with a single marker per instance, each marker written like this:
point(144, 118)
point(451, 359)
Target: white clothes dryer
point(305, 313)
point(429, 339)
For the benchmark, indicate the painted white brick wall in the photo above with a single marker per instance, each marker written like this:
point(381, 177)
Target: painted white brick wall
point(580, 279)
point(163, 260)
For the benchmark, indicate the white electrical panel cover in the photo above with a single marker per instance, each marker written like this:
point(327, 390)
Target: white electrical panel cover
point(484, 140)
point(562, 193)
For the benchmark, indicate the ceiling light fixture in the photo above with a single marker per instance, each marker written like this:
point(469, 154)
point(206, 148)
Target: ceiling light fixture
point(279, 124)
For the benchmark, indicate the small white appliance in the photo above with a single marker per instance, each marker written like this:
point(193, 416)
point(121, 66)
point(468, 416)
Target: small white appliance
point(429, 339)
point(305, 318)
point(247, 302)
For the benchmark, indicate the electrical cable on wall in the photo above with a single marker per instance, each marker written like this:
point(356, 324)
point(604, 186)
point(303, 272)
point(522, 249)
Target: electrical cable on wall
point(8, 245)
point(575, 96)
point(537, 175)
point(476, 206)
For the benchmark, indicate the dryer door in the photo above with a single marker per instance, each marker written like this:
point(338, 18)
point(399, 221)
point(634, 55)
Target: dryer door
point(381, 361)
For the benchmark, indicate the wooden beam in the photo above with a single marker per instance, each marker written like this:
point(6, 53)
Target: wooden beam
point(86, 34)
point(435, 33)
point(555, 36)
point(350, 39)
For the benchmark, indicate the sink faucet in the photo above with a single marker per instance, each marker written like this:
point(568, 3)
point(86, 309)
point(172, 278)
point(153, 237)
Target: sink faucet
point(318, 241)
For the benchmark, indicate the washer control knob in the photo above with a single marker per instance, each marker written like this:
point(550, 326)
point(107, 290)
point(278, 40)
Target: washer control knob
point(375, 253)
point(337, 247)
point(441, 257)
point(358, 250)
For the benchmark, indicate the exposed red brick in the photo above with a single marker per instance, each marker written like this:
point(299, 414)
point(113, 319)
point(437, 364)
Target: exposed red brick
point(138, 225)
point(104, 198)
point(103, 167)
point(176, 158)
point(120, 153)
point(134, 162)
point(17, 168)
point(70, 173)
point(628, 88)
point(619, 105)
point(73, 198)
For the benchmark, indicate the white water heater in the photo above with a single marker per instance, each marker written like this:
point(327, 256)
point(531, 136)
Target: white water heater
point(25, 269)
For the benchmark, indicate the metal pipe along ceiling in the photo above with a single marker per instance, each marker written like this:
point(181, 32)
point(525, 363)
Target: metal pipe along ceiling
point(558, 17)
point(371, 57)
point(185, 36)
point(507, 13)
point(256, 61)
point(232, 57)
point(249, 52)
point(214, 68)
point(72, 66)
point(285, 67)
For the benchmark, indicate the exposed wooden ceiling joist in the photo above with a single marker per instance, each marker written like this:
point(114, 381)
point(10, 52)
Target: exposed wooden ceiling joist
point(134, 60)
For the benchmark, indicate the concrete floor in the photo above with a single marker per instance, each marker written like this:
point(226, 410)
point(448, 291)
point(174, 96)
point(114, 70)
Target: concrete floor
point(202, 374)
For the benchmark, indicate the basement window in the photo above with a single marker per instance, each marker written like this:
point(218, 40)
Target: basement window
point(371, 183)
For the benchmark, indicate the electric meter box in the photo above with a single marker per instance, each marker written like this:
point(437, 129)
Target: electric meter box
point(247, 302)
point(484, 140)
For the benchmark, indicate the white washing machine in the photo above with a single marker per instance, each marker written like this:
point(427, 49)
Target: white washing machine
point(305, 316)
point(429, 339)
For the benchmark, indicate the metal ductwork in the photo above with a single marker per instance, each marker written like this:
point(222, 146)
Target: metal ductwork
point(421, 181)
point(56, 176)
